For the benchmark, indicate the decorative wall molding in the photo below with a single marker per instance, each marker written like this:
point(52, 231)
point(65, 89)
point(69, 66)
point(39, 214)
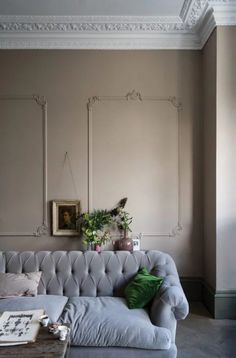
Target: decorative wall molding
point(136, 96)
point(186, 31)
point(42, 229)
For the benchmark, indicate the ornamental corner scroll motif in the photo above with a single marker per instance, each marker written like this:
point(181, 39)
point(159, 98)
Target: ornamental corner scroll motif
point(174, 101)
point(92, 101)
point(40, 100)
point(133, 96)
point(41, 231)
point(176, 230)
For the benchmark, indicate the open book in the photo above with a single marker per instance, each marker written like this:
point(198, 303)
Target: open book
point(19, 327)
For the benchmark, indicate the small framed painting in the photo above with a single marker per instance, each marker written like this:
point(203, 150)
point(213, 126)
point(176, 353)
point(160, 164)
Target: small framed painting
point(64, 217)
point(136, 244)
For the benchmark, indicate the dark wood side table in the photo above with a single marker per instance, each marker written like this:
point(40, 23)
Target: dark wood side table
point(46, 345)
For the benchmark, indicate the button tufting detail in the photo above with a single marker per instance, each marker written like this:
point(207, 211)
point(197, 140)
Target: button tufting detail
point(73, 269)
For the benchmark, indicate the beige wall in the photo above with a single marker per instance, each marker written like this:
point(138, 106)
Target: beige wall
point(68, 79)
point(209, 132)
point(226, 162)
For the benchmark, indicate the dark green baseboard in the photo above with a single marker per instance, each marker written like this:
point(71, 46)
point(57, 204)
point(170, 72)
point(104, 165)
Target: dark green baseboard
point(192, 287)
point(221, 304)
point(225, 305)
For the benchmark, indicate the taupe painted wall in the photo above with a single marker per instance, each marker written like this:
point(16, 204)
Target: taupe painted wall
point(209, 133)
point(226, 158)
point(68, 79)
point(219, 58)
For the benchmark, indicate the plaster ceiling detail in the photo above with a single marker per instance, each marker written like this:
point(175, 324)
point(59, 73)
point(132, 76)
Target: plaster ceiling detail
point(189, 29)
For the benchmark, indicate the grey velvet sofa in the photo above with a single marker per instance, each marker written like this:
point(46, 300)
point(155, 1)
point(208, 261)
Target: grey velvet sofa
point(86, 289)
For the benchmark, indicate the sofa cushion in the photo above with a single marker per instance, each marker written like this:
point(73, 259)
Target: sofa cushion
point(53, 305)
point(141, 290)
point(19, 284)
point(107, 321)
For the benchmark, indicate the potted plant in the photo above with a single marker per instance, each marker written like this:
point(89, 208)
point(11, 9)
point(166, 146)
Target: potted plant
point(123, 221)
point(93, 226)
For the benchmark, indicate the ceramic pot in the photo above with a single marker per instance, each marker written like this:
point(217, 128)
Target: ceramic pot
point(125, 244)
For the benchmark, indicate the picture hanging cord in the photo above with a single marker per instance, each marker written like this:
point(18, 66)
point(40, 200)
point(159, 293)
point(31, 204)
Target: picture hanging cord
point(67, 159)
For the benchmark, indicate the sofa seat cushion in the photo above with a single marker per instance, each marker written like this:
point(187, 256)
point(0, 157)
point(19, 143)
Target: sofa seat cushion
point(52, 304)
point(108, 322)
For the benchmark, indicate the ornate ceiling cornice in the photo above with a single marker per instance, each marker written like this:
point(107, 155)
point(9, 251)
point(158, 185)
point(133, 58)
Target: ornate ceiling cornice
point(81, 24)
point(189, 30)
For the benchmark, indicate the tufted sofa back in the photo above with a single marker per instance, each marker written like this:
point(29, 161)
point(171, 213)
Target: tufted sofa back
point(77, 273)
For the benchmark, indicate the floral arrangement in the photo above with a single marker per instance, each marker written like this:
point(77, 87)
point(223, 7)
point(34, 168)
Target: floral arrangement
point(123, 221)
point(93, 226)
point(96, 226)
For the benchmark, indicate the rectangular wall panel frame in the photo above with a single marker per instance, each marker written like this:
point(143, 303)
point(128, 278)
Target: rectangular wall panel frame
point(135, 96)
point(42, 228)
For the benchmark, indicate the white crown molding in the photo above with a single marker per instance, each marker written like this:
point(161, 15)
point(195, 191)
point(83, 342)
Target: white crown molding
point(189, 30)
point(206, 28)
point(89, 24)
point(111, 42)
point(219, 13)
point(224, 12)
point(192, 12)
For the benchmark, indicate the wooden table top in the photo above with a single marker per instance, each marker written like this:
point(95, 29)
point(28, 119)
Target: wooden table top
point(47, 345)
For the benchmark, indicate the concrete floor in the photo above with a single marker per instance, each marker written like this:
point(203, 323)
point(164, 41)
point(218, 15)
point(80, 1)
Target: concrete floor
point(200, 336)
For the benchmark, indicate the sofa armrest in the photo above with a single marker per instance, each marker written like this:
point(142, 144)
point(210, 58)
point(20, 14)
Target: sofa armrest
point(170, 303)
point(174, 297)
point(171, 292)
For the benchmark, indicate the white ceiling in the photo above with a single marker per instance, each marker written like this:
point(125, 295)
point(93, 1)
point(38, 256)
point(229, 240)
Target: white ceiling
point(111, 24)
point(92, 7)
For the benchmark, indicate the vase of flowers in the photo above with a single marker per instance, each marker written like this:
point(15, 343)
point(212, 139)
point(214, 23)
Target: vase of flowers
point(124, 220)
point(95, 230)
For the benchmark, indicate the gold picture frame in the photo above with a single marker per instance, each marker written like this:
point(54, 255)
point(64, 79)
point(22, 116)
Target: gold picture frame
point(64, 217)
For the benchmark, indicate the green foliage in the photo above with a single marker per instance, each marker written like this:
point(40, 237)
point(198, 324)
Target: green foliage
point(96, 225)
point(93, 226)
point(124, 220)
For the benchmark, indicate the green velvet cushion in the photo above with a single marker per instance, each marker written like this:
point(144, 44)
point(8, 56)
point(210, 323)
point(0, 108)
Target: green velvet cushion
point(141, 290)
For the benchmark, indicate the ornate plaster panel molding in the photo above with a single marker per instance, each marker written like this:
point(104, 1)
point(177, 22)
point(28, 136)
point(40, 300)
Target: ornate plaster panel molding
point(41, 101)
point(137, 96)
point(117, 32)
